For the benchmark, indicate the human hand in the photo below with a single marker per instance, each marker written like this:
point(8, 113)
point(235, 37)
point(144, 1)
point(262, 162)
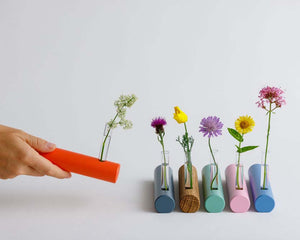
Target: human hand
point(19, 155)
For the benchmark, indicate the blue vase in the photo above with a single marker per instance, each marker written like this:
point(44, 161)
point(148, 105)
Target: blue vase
point(164, 200)
point(262, 197)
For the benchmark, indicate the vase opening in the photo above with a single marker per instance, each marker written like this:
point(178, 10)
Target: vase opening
point(264, 170)
point(103, 154)
point(188, 171)
point(239, 178)
point(214, 179)
point(264, 176)
point(165, 170)
point(214, 171)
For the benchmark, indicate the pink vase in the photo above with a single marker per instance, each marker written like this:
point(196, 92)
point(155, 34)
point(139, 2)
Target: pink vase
point(238, 197)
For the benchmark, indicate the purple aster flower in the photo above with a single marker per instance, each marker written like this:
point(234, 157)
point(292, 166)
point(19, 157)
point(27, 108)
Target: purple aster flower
point(159, 123)
point(211, 126)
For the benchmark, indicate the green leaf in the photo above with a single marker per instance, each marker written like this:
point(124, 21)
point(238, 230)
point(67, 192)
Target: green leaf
point(245, 149)
point(235, 134)
point(238, 148)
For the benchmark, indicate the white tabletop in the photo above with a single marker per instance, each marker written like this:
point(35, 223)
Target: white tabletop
point(62, 65)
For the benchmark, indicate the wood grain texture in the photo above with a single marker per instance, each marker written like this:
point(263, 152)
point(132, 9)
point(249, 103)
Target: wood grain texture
point(189, 198)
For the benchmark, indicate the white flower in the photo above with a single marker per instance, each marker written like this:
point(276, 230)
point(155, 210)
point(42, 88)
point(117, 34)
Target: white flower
point(112, 124)
point(131, 100)
point(125, 101)
point(121, 112)
point(126, 124)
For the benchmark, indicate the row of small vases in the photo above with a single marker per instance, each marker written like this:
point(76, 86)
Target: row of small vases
point(214, 201)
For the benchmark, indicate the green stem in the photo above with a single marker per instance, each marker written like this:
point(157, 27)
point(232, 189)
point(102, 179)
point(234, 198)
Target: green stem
point(104, 141)
point(165, 161)
point(267, 145)
point(189, 162)
point(217, 172)
point(238, 166)
point(238, 169)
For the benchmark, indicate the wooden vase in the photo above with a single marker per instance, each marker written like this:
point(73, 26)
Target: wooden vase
point(189, 197)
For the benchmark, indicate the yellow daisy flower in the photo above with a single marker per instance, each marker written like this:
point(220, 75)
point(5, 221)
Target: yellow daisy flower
point(244, 124)
point(179, 115)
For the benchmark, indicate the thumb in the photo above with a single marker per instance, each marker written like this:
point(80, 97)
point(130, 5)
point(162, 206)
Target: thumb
point(40, 144)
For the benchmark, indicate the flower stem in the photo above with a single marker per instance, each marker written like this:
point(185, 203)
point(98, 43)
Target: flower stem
point(189, 163)
point(238, 166)
point(238, 169)
point(104, 141)
point(165, 162)
point(267, 145)
point(217, 172)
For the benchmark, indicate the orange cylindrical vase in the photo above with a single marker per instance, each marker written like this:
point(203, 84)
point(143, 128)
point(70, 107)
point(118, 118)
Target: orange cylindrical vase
point(84, 165)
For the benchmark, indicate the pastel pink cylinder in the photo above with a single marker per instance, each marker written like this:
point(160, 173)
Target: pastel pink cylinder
point(238, 198)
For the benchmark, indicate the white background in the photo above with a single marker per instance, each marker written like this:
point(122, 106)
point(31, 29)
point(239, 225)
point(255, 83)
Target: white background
point(62, 65)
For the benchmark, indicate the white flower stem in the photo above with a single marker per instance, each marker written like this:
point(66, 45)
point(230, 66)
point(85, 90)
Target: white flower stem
point(104, 141)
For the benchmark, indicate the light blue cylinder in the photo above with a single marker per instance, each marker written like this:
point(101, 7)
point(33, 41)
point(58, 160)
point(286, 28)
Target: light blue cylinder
point(164, 200)
point(263, 198)
point(213, 199)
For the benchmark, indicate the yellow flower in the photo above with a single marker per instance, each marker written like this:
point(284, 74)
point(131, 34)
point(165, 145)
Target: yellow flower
point(180, 116)
point(244, 124)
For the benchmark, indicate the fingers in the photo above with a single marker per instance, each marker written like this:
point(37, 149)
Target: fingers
point(39, 144)
point(45, 167)
point(19, 155)
point(6, 175)
point(40, 165)
point(31, 172)
point(19, 170)
point(25, 159)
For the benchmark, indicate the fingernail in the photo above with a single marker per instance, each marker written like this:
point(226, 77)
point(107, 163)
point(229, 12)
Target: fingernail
point(69, 176)
point(50, 145)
